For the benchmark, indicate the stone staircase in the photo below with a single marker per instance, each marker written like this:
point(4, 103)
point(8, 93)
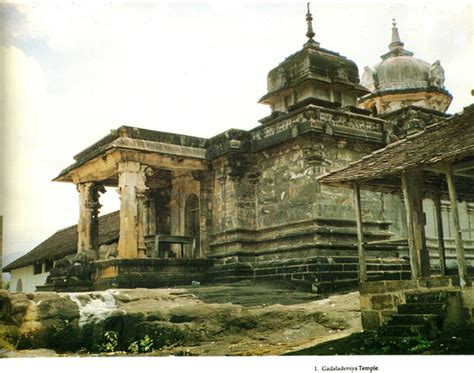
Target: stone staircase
point(422, 316)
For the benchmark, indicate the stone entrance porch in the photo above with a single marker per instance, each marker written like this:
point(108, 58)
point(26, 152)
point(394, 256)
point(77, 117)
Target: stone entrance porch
point(163, 184)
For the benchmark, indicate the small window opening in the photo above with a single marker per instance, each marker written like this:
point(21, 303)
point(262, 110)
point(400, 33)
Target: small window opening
point(48, 265)
point(37, 268)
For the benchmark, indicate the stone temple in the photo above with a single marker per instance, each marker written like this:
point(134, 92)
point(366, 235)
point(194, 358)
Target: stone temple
point(247, 205)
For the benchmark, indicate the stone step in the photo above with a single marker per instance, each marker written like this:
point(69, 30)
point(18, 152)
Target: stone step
point(405, 331)
point(414, 319)
point(426, 297)
point(422, 308)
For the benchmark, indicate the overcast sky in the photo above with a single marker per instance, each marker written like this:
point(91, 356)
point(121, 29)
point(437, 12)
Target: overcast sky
point(73, 71)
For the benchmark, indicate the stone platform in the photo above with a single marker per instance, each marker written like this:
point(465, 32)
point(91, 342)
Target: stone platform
point(132, 273)
point(321, 273)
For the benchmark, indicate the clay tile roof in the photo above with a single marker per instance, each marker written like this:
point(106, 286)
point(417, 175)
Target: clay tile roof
point(448, 141)
point(64, 242)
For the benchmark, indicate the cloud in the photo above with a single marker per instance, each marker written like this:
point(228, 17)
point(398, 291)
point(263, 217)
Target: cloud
point(28, 198)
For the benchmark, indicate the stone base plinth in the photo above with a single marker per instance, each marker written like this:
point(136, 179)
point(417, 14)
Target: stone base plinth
point(137, 273)
point(150, 273)
point(320, 274)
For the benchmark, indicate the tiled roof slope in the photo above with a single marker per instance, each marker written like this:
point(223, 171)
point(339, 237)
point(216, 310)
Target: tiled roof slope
point(64, 242)
point(446, 141)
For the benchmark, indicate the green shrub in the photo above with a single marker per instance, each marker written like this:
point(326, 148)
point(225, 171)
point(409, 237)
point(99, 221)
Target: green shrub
point(144, 345)
point(422, 344)
point(109, 342)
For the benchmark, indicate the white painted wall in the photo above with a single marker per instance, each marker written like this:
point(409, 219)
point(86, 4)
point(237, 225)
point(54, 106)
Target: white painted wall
point(28, 279)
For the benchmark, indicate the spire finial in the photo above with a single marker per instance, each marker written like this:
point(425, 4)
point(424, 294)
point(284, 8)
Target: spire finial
point(396, 46)
point(309, 19)
point(396, 42)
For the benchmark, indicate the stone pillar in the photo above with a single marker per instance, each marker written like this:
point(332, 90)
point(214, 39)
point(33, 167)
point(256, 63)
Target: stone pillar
point(142, 209)
point(175, 215)
point(360, 234)
point(146, 215)
point(132, 190)
point(206, 195)
point(462, 266)
point(88, 225)
point(127, 188)
point(440, 233)
point(412, 185)
point(152, 213)
point(97, 189)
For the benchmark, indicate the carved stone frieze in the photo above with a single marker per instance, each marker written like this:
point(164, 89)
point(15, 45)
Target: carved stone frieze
point(325, 120)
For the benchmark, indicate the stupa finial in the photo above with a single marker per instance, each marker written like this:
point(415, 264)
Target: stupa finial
point(396, 42)
point(309, 19)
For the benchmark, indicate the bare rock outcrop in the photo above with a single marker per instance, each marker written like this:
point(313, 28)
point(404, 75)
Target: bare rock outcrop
point(176, 321)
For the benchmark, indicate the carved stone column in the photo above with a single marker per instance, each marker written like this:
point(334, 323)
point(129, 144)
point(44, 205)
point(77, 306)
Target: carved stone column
point(151, 213)
point(146, 215)
point(88, 225)
point(142, 209)
point(175, 214)
point(127, 188)
point(132, 190)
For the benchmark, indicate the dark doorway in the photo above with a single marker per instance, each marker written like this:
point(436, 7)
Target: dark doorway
point(191, 224)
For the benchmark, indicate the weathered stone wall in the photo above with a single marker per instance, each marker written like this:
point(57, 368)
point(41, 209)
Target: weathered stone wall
point(234, 196)
point(410, 119)
point(393, 210)
point(286, 189)
point(309, 89)
point(273, 204)
point(273, 221)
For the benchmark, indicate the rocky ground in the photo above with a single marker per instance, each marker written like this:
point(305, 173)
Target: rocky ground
point(238, 319)
point(452, 342)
